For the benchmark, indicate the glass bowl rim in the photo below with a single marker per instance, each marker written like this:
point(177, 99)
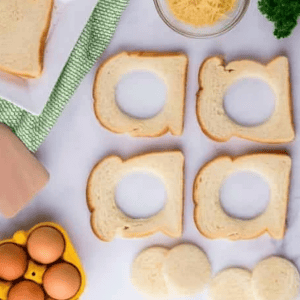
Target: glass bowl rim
point(227, 28)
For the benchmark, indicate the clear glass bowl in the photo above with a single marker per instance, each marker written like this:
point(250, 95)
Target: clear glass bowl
point(223, 25)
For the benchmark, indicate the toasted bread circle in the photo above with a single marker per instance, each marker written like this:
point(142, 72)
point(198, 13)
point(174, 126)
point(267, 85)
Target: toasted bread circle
point(170, 67)
point(108, 220)
point(215, 78)
point(186, 270)
point(24, 26)
point(275, 278)
point(210, 218)
point(232, 284)
point(147, 276)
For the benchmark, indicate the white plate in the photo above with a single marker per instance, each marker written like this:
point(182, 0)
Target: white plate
point(32, 94)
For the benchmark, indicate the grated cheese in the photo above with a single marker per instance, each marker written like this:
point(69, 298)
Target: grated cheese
point(201, 12)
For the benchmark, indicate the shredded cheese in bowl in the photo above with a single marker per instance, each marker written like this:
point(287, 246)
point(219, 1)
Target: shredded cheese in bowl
point(201, 12)
point(201, 18)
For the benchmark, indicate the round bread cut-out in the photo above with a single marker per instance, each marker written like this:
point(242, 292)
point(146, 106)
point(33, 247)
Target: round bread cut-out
point(147, 274)
point(232, 284)
point(187, 270)
point(275, 279)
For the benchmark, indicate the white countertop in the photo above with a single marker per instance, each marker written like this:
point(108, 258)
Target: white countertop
point(78, 142)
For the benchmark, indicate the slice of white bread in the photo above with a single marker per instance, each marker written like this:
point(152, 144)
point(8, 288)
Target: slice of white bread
point(170, 67)
point(210, 218)
point(187, 270)
point(215, 78)
point(108, 220)
point(24, 26)
point(232, 284)
point(147, 276)
point(275, 278)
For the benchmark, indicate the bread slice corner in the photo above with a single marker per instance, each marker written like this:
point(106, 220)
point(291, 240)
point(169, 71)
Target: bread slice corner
point(22, 51)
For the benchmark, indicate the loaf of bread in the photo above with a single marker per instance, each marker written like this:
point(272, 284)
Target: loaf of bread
point(24, 26)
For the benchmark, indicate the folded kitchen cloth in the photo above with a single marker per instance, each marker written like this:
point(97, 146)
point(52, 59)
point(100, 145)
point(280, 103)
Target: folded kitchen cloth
point(94, 39)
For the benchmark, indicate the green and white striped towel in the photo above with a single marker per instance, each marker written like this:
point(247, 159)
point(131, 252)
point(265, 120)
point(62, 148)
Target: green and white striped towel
point(94, 39)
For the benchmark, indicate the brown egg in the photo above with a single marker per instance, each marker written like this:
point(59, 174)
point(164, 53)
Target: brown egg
point(13, 261)
point(26, 290)
point(46, 245)
point(62, 281)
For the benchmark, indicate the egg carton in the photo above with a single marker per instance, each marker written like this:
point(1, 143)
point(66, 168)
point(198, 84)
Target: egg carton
point(35, 271)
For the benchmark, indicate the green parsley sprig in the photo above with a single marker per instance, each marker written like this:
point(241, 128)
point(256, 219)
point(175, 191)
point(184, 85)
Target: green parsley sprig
point(283, 13)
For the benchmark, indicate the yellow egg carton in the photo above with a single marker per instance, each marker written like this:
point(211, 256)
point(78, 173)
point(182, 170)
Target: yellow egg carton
point(35, 272)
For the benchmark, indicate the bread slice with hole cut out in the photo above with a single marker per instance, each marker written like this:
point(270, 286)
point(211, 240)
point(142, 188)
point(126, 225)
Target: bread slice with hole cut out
point(215, 78)
point(24, 26)
point(170, 67)
point(108, 221)
point(210, 217)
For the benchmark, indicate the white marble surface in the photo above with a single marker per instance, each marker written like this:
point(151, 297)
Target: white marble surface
point(77, 142)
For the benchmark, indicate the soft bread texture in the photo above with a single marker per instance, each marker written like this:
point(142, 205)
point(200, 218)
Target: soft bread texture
point(211, 219)
point(275, 279)
point(170, 67)
point(215, 78)
point(147, 276)
point(187, 270)
point(232, 284)
point(108, 220)
point(24, 26)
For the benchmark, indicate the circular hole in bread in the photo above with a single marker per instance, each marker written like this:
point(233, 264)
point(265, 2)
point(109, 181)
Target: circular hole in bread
point(249, 102)
point(140, 195)
point(141, 94)
point(245, 195)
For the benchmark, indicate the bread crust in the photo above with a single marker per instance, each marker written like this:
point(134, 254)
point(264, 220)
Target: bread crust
point(44, 37)
point(42, 46)
point(216, 138)
point(92, 207)
point(139, 54)
point(237, 235)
